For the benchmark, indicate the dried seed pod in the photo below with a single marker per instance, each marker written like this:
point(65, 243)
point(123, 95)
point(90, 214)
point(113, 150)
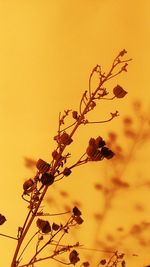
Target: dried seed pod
point(42, 166)
point(43, 225)
point(122, 53)
point(92, 142)
point(103, 262)
point(28, 185)
point(67, 171)
point(78, 219)
point(119, 92)
point(65, 139)
point(107, 153)
point(86, 264)
point(75, 115)
point(73, 257)
point(47, 179)
point(2, 219)
point(76, 211)
point(91, 150)
point(97, 156)
point(55, 154)
point(99, 142)
point(55, 226)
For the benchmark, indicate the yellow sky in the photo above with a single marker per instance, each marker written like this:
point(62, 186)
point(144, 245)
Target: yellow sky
point(47, 50)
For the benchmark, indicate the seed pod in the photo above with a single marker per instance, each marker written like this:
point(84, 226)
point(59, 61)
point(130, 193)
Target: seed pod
point(119, 92)
point(103, 262)
point(65, 139)
point(55, 154)
point(76, 211)
point(55, 226)
point(73, 257)
point(91, 150)
point(78, 219)
point(27, 186)
point(92, 141)
point(2, 219)
point(67, 171)
point(43, 225)
point(99, 142)
point(47, 179)
point(97, 156)
point(75, 115)
point(42, 166)
point(107, 153)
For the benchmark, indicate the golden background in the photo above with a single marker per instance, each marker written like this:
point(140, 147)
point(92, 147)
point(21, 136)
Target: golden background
point(47, 51)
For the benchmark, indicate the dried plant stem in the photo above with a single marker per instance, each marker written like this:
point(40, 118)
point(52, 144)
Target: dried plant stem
point(21, 239)
point(56, 163)
point(8, 236)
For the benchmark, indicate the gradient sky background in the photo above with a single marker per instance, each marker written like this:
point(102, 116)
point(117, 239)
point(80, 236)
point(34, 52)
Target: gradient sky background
point(47, 50)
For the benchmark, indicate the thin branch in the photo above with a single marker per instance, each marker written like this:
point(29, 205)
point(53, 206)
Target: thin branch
point(54, 214)
point(67, 127)
point(8, 236)
point(69, 263)
point(27, 244)
point(90, 122)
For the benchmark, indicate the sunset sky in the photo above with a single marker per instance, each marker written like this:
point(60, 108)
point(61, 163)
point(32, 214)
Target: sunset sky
point(47, 51)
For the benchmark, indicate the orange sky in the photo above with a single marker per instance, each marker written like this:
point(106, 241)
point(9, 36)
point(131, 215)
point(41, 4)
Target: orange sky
point(47, 50)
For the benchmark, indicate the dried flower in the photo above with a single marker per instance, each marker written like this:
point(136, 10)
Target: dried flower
point(86, 264)
point(42, 166)
point(73, 257)
point(28, 185)
point(91, 150)
point(55, 154)
point(43, 225)
point(103, 262)
point(47, 179)
point(119, 92)
point(55, 226)
point(122, 53)
point(99, 142)
point(107, 153)
point(76, 211)
point(65, 139)
point(67, 171)
point(78, 219)
point(2, 219)
point(77, 215)
point(123, 264)
point(75, 115)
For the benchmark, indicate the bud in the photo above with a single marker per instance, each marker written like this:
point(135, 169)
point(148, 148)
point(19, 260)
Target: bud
point(119, 92)
point(122, 53)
